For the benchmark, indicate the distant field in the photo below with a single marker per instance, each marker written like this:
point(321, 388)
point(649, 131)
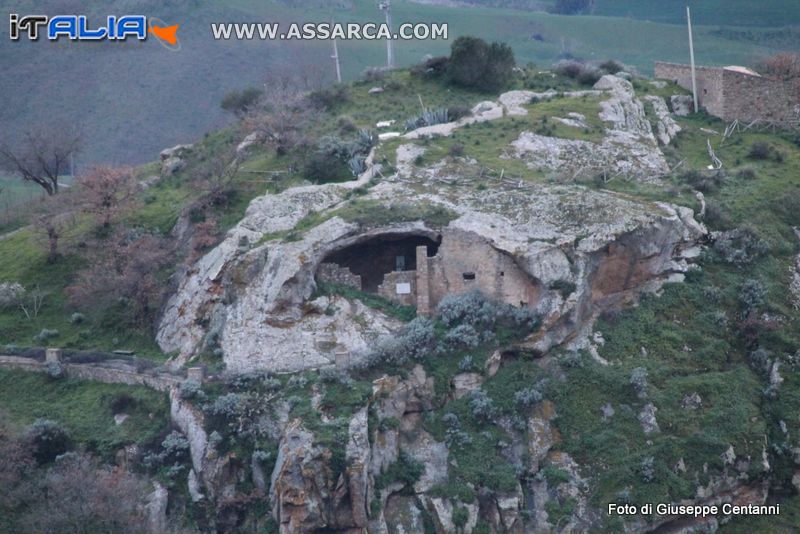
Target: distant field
point(134, 100)
point(13, 191)
point(711, 12)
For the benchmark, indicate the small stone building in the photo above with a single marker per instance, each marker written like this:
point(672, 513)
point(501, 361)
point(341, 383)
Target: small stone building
point(738, 93)
point(420, 271)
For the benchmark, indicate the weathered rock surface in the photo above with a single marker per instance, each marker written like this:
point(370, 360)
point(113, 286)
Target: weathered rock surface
point(250, 295)
point(666, 127)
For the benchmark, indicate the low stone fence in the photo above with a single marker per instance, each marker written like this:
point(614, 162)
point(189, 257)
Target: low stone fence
point(110, 371)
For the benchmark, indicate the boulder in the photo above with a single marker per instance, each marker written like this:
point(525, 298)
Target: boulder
point(682, 105)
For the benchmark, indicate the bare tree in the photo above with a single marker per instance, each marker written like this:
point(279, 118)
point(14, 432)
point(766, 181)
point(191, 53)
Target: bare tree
point(782, 66)
point(79, 495)
point(42, 156)
point(53, 221)
point(107, 192)
point(126, 268)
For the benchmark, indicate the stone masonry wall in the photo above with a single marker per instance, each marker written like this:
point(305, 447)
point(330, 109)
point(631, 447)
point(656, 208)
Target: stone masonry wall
point(730, 95)
point(749, 98)
point(107, 375)
point(332, 273)
point(710, 93)
point(388, 289)
point(466, 261)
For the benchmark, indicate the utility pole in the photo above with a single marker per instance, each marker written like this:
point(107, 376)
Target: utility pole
point(386, 6)
point(691, 58)
point(335, 58)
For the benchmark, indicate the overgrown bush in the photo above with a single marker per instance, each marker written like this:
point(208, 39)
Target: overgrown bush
point(458, 112)
point(704, 181)
point(329, 97)
point(240, 102)
point(751, 296)
point(740, 245)
point(760, 150)
point(475, 64)
point(481, 405)
point(639, 382)
point(45, 335)
point(47, 440)
point(434, 66)
point(527, 397)
point(580, 72)
point(192, 389)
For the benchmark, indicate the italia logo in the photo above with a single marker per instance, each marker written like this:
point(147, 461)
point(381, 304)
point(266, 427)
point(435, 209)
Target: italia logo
point(77, 28)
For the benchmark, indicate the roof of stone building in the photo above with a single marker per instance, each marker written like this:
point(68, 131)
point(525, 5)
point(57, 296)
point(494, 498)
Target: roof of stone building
point(742, 70)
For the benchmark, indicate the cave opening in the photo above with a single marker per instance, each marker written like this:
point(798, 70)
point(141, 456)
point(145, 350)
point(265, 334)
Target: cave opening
point(373, 259)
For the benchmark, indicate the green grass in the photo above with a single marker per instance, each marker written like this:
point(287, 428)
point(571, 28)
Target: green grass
point(23, 259)
point(711, 12)
point(85, 409)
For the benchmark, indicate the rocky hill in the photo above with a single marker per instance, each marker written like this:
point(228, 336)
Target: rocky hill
point(505, 315)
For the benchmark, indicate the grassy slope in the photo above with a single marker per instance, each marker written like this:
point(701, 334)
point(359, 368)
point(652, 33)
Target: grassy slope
point(134, 100)
point(85, 409)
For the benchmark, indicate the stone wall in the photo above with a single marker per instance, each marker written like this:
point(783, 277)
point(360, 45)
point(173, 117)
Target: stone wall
point(108, 375)
point(332, 273)
point(749, 98)
point(709, 83)
point(729, 94)
point(466, 262)
point(395, 285)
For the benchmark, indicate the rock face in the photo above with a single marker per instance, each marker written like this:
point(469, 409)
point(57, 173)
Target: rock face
point(628, 147)
point(250, 297)
point(244, 299)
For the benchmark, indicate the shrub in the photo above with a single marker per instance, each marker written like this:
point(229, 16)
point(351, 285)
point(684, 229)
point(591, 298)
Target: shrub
point(460, 516)
point(329, 97)
point(760, 150)
point(54, 370)
point(564, 287)
point(47, 440)
point(77, 318)
point(466, 364)
point(374, 74)
point(647, 469)
point(747, 172)
point(639, 382)
point(611, 66)
point(702, 181)
point(740, 245)
point(240, 102)
point(759, 360)
point(458, 112)
point(456, 150)
point(226, 406)
point(11, 294)
point(44, 335)
point(191, 389)
point(323, 168)
point(751, 296)
point(434, 66)
point(346, 124)
point(478, 65)
point(527, 397)
point(481, 405)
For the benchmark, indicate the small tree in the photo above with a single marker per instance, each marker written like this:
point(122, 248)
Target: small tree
point(107, 192)
point(476, 64)
point(126, 270)
point(42, 156)
point(54, 222)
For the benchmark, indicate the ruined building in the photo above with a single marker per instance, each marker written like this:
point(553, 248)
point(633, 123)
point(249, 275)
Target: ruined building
point(738, 93)
point(420, 270)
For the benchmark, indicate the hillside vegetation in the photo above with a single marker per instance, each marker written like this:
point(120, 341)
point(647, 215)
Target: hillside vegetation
point(719, 335)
